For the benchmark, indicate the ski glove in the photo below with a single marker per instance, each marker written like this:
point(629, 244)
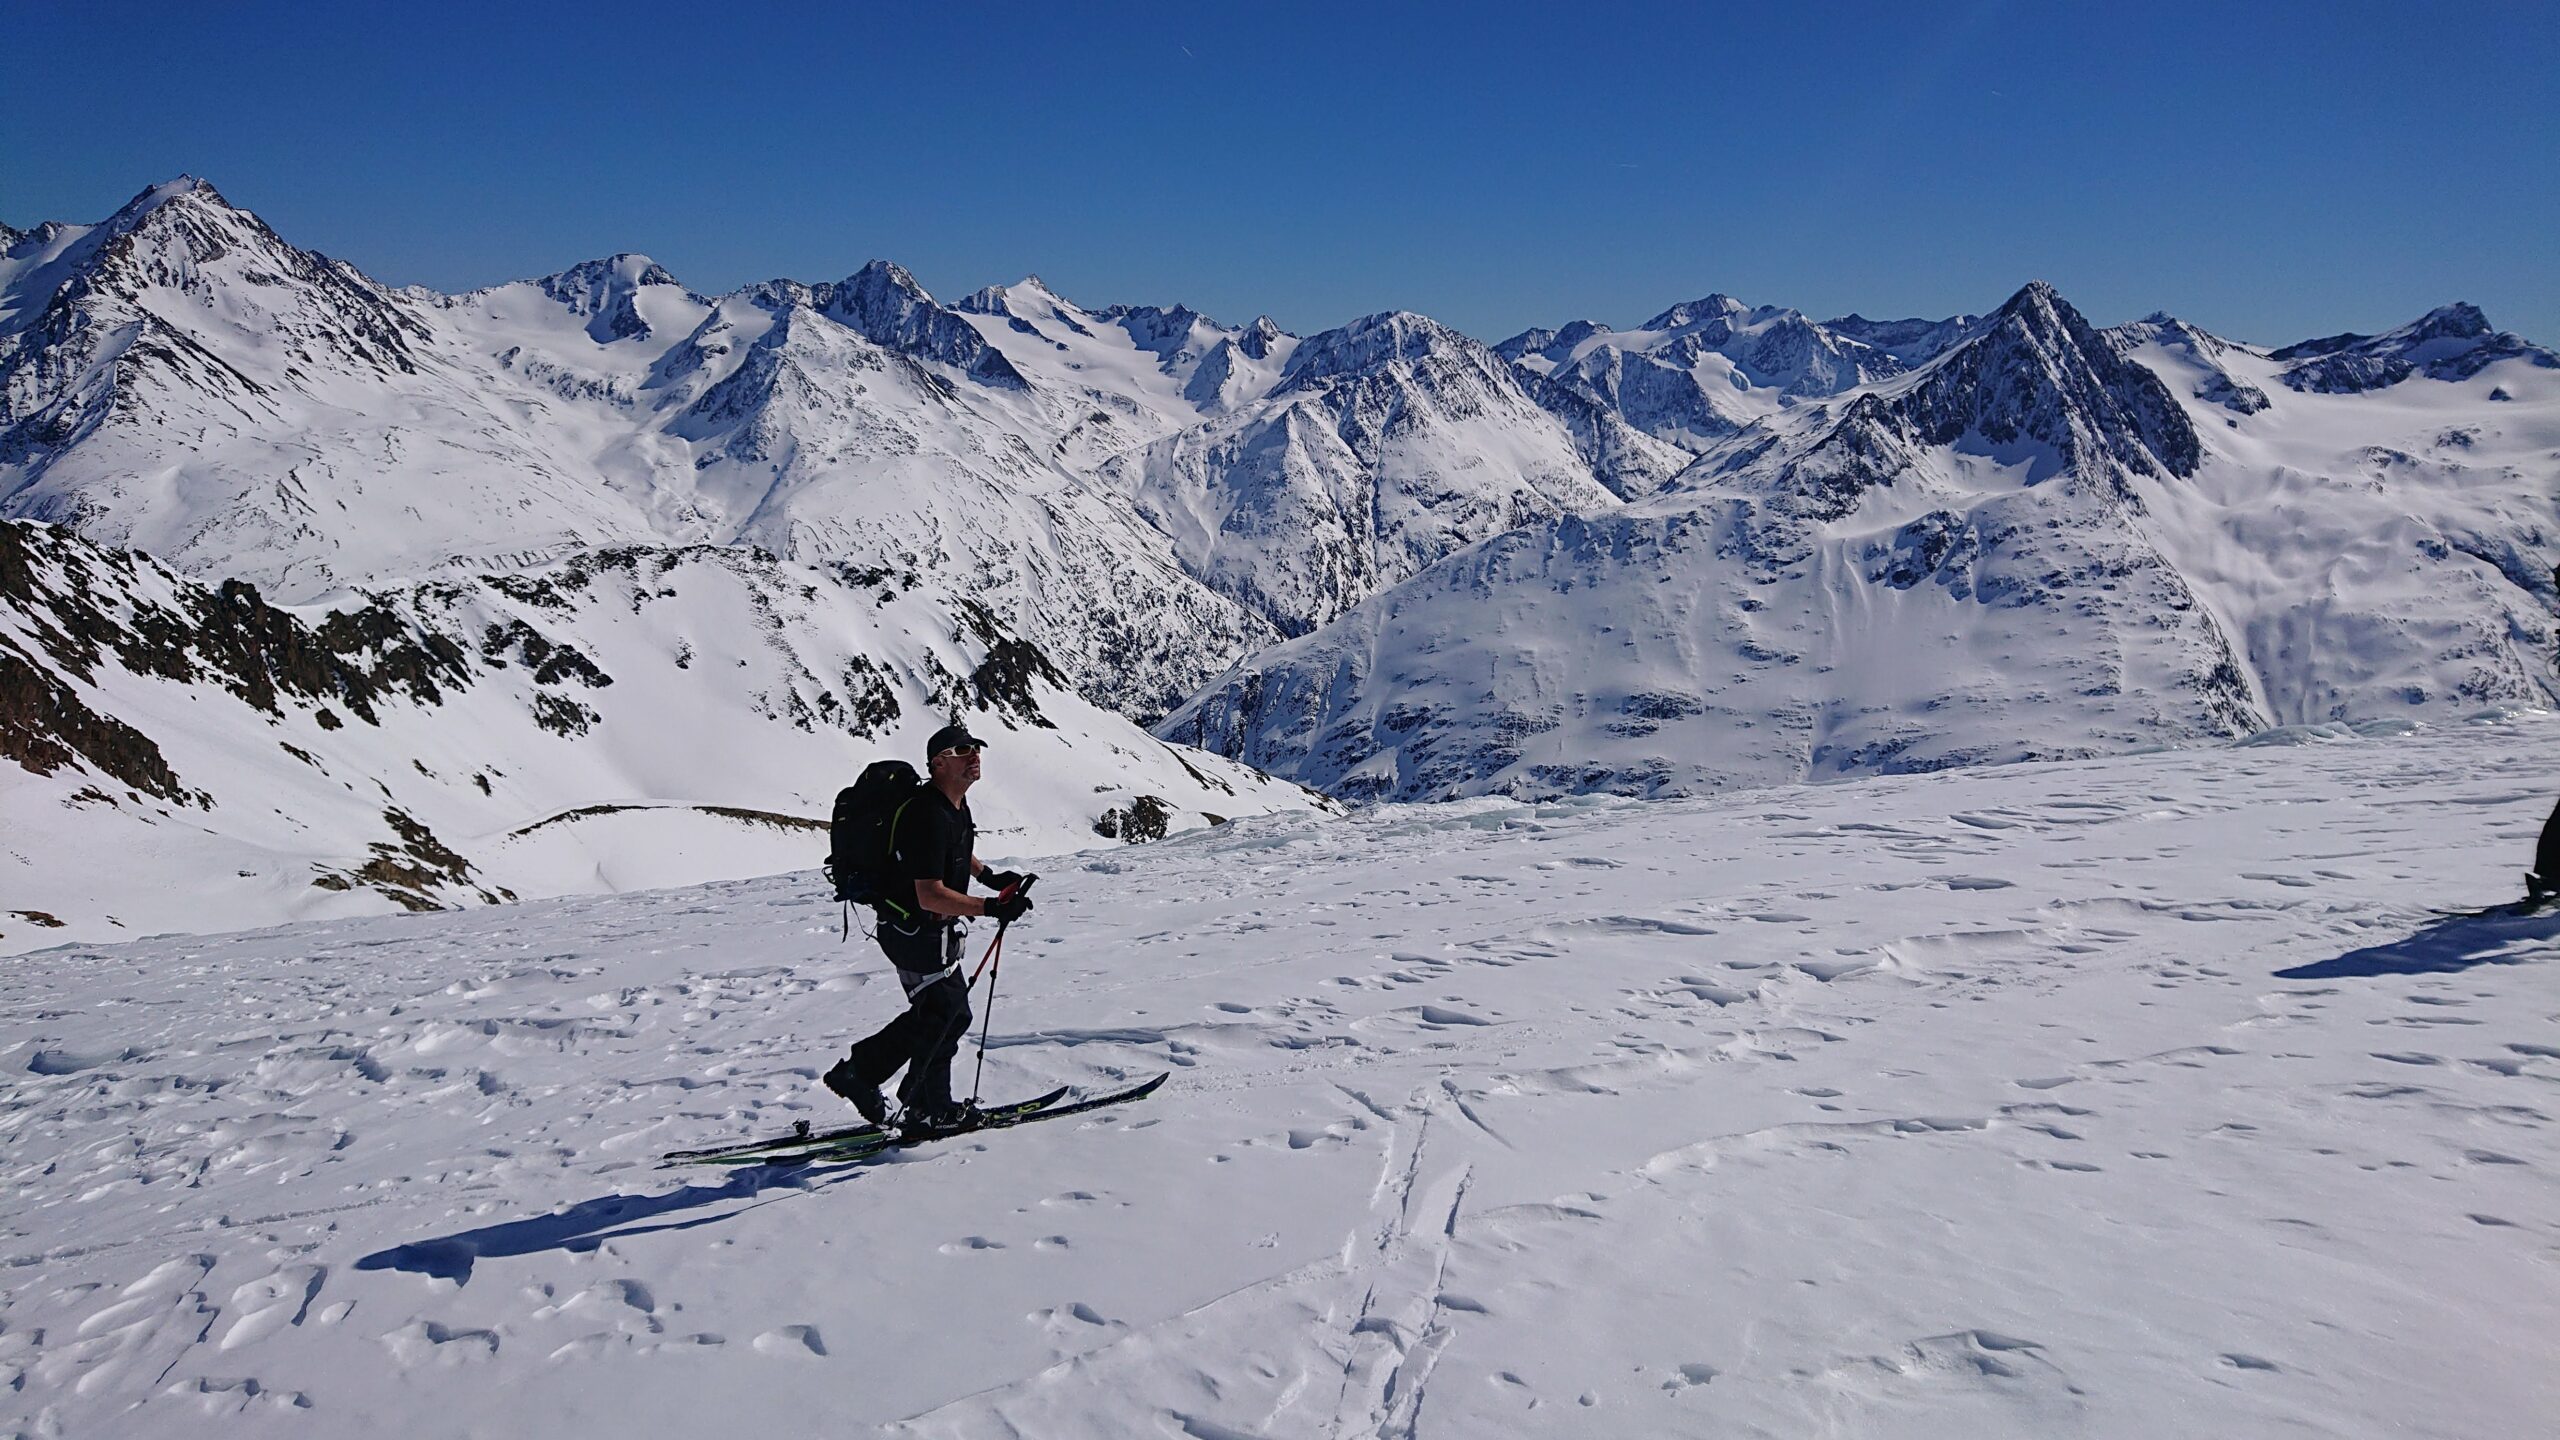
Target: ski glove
point(1009, 908)
point(1002, 880)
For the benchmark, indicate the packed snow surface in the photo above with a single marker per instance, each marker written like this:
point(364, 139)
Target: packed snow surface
point(2136, 1096)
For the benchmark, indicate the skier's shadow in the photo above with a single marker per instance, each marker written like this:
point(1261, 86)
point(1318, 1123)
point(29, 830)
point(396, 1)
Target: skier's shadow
point(2457, 942)
point(581, 1228)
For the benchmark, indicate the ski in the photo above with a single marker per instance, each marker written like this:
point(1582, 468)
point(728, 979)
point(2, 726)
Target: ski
point(1003, 1118)
point(2513, 909)
point(802, 1137)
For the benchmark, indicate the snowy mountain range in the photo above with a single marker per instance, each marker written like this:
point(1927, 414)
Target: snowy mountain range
point(1732, 545)
point(189, 756)
point(2042, 541)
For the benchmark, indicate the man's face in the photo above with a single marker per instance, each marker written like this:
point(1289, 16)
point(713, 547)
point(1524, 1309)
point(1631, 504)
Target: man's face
point(960, 762)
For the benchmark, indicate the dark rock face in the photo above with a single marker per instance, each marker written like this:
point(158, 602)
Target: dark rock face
point(1003, 681)
point(1912, 343)
point(1257, 338)
point(44, 727)
point(2452, 342)
point(1167, 332)
point(1145, 819)
point(84, 603)
point(411, 872)
point(75, 617)
point(2034, 371)
point(606, 292)
point(1614, 449)
point(884, 305)
point(1677, 377)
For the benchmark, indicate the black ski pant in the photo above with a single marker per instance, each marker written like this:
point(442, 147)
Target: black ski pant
point(926, 1035)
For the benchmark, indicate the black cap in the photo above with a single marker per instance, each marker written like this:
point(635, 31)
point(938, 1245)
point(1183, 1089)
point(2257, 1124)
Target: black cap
point(951, 737)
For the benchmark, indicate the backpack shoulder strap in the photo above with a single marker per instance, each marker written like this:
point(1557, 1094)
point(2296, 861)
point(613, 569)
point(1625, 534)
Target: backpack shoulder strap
point(894, 817)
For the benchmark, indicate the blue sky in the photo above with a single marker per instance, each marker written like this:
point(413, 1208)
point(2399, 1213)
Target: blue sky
point(2269, 171)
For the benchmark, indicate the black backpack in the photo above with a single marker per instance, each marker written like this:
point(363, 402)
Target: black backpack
point(864, 831)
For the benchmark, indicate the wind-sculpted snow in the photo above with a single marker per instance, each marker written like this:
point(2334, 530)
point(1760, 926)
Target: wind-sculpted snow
point(195, 757)
point(2025, 1102)
point(2030, 548)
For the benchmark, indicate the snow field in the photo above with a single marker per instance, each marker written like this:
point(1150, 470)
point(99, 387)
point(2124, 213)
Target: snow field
point(2134, 1096)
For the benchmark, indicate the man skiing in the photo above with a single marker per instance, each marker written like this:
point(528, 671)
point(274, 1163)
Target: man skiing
point(932, 848)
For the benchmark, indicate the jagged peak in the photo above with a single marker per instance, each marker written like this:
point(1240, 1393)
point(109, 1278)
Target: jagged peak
point(1374, 340)
point(1400, 323)
point(2039, 315)
point(2459, 320)
point(604, 290)
point(1909, 341)
point(2163, 326)
point(2450, 342)
point(177, 202)
point(777, 295)
point(627, 269)
point(182, 188)
point(2035, 367)
point(1692, 312)
point(1165, 330)
point(1555, 345)
point(1257, 338)
point(1575, 332)
point(887, 274)
point(2039, 300)
point(1029, 294)
point(1176, 314)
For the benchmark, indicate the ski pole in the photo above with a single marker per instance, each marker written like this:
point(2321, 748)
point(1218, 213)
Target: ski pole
point(993, 946)
point(997, 944)
point(994, 965)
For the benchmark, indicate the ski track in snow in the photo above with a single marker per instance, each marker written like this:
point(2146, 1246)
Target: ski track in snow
point(2125, 1097)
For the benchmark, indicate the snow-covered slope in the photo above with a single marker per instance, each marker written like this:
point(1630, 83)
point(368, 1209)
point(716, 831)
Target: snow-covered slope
point(2121, 1098)
point(1387, 444)
point(190, 757)
point(1897, 543)
point(181, 380)
point(2032, 546)
point(1702, 370)
point(2453, 342)
point(1006, 447)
